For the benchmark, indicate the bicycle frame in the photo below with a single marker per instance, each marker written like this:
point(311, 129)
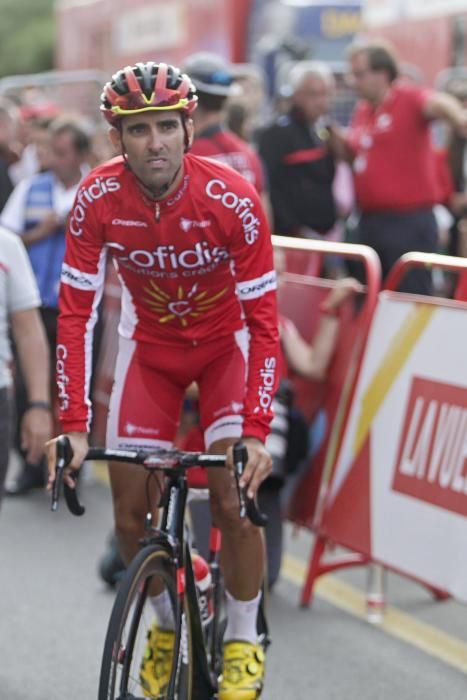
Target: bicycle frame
point(171, 536)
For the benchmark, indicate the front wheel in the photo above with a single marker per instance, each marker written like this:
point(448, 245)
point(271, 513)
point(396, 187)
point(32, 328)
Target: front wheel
point(132, 616)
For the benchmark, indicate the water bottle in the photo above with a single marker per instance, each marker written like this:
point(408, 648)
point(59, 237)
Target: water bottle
point(203, 581)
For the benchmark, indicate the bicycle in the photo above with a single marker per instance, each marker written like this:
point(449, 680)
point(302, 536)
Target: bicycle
point(166, 553)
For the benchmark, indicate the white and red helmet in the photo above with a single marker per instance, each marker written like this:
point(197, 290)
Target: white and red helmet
point(147, 87)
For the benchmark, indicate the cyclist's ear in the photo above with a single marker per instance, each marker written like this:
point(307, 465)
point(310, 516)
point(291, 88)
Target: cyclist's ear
point(189, 129)
point(115, 136)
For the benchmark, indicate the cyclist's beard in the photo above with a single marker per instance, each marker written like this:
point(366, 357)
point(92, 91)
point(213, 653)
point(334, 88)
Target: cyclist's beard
point(156, 192)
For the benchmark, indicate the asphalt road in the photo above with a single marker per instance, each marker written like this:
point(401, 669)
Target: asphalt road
point(54, 610)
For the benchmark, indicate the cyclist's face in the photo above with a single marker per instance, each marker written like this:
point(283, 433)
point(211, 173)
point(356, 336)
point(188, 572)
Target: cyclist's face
point(154, 143)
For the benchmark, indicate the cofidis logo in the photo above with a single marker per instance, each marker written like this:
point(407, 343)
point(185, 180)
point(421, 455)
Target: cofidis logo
point(242, 206)
point(86, 196)
point(431, 462)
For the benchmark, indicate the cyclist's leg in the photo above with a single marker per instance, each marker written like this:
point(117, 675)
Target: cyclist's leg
point(242, 562)
point(221, 396)
point(222, 389)
point(143, 412)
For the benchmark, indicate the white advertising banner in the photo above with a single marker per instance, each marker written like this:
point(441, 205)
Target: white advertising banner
point(154, 27)
point(407, 435)
point(382, 12)
point(431, 8)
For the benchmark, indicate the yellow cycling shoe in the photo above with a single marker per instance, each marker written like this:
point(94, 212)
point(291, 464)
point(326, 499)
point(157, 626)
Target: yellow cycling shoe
point(156, 666)
point(243, 671)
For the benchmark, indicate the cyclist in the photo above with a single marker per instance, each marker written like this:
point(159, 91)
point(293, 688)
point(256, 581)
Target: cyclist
point(193, 252)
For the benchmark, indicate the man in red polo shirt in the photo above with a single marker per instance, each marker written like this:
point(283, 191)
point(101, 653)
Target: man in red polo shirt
point(389, 145)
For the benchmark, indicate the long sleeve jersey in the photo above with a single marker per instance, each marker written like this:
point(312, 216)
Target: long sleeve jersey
point(300, 171)
point(194, 266)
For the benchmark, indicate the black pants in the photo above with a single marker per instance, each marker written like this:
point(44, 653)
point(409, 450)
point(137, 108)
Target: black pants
point(392, 234)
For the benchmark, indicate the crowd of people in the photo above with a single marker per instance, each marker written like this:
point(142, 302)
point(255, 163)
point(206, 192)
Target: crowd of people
point(383, 173)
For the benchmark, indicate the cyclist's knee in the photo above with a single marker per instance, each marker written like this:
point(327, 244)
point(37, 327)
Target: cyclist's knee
point(129, 520)
point(226, 514)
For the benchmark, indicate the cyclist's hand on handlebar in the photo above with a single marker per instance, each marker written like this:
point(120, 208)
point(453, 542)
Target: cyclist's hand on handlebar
point(257, 468)
point(79, 444)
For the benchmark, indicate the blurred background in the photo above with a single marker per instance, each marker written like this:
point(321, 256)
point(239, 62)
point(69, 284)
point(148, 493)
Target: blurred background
point(93, 38)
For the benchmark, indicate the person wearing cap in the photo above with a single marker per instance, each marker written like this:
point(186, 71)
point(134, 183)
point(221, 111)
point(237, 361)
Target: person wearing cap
point(214, 82)
point(193, 252)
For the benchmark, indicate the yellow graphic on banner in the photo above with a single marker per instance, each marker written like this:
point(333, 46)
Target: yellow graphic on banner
point(186, 305)
point(392, 363)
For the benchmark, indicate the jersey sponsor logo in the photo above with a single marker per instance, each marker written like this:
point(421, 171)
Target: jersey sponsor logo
point(62, 377)
point(384, 121)
point(165, 257)
point(187, 224)
point(242, 206)
point(252, 289)
point(431, 462)
point(139, 430)
point(266, 388)
point(129, 222)
point(178, 195)
point(187, 305)
point(86, 196)
point(76, 278)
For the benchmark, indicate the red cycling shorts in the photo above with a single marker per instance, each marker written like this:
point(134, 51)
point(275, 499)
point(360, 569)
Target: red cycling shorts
point(150, 384)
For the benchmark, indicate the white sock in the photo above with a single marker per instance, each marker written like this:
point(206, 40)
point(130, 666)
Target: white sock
point(163, 609)
point(241, 619)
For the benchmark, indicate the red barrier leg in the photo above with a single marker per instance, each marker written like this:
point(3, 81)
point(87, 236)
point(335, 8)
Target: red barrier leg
point(318, 567)
point(313, 571)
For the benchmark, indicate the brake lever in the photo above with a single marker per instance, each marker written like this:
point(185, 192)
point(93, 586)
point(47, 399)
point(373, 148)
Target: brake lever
point(248, 506)
point(240, 458)
point(64, 457)
point(71, 496)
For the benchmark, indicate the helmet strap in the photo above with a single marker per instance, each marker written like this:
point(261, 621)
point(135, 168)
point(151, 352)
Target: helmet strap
point(185, 129)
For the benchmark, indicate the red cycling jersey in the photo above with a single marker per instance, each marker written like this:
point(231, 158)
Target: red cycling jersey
point(194, 266)
point(226, 147)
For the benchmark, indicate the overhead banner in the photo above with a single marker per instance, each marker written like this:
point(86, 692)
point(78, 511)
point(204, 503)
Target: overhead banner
point(380, 12)
point(399, 489)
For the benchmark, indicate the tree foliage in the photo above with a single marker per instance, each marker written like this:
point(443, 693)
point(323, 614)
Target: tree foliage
point(27, 38)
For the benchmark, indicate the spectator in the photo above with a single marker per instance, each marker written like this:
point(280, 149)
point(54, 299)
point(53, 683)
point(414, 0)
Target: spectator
point(37, 210)
point(394, 168)
point(246, 107)
point(457, 155)
point(19, 302)
point(8, 150)
point(30, 116)
point(213, 80)
point(289, 438)
point(299, 166)
point(41, 141)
